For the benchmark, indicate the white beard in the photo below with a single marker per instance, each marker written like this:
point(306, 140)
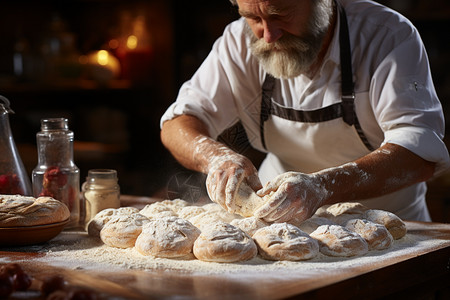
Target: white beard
point(293, 55)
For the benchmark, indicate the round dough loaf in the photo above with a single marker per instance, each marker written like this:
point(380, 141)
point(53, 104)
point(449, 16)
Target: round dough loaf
point(376, 235)
point(167, 237)
point(225, 243)
point(157, 210)
point(347, 208)
point(17, 210)
point(121, 231)
point(249, 225)
point(341, 213)
point(189, 212)
point(96, 224)
point(176, 204)
point(335, 240)
point(391, 221)
point(206, 219)
point(283, 241)
point(311, 224)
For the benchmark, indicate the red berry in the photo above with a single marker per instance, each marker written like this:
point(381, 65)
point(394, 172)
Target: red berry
point(6, 285)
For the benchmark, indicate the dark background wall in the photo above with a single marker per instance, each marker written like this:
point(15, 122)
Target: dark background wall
point(116, 122)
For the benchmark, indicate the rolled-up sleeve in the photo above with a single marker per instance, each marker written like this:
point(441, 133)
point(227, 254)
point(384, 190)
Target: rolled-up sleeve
point(406, 104)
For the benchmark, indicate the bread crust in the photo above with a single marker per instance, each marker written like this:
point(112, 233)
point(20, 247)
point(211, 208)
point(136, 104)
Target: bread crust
point(283, 241)
point(167, 237)
point(391, 221)
point(335, 240)
point(376, 235)
point(225, 243)
point(18, 211)
point(121, 231)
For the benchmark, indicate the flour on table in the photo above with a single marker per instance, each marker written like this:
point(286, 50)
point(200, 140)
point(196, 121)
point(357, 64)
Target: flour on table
point(88, 253)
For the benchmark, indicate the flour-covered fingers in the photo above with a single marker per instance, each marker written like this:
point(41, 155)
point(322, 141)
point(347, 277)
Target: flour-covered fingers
point(271, 205)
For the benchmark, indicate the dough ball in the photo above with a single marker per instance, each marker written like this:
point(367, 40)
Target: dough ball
point(17, 210)
point(176, 204)
point(96, 224)
point(222, 242)
point(249, 225)
point(311, 224)
point(335, 240)
point(189, 212)
point(283, 241)
point(157, 210)
point(167, 237)
point(376, 235)
point(392, 222)
point(121, 231)
point(347, 208)
point(204, 220)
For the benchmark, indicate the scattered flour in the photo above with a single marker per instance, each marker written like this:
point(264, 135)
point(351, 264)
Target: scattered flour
point(77, 250)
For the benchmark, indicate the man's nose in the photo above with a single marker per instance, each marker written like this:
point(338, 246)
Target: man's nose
point(271, 32)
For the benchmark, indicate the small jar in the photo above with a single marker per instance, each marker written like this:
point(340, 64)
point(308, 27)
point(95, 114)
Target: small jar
point(100, 191)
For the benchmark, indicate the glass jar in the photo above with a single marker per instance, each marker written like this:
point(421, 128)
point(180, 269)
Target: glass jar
point(100, 191)
point(56, 174)
point(13, 177)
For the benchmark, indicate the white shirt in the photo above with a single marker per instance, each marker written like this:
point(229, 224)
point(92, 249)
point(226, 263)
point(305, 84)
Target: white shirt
point(395, 98)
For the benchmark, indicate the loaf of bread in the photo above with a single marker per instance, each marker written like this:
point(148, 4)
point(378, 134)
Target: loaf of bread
point(283, 241)
point(17, 210)
point(376, 235)
point(225, 243)
point(121, 231)
point(391, 221)
point(96, 224)
point(335, 240)
point(167, 237)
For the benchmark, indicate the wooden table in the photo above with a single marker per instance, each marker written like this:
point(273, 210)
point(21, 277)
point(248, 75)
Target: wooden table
point(415, 273)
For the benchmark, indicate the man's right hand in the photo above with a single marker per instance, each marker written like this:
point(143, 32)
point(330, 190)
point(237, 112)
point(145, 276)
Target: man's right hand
point(227, 170)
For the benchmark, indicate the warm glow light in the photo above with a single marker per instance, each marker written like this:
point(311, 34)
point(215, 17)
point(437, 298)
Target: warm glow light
point(132, 42)
point(102, 57)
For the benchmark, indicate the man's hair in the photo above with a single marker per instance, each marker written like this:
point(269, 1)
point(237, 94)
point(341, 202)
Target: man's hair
point(234, 2)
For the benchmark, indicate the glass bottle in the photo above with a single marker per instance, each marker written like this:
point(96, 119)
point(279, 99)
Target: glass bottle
point(13, 177)
point(100, 191)
point(56, 174)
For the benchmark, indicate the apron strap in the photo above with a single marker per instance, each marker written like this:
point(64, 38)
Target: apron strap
point(347, 84)
point(266, 104)
point(345, 109)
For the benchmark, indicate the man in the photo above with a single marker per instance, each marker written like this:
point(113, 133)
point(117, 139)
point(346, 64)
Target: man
point(337, 93)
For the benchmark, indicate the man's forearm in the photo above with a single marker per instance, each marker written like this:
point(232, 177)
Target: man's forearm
point(183, 136)
point(383, 171)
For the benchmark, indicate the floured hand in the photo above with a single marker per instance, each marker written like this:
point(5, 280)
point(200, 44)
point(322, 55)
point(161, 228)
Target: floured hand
point(226, 173)
point(291, 194)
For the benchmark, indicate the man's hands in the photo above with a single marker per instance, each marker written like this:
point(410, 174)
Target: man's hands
point(291, 194)
point(227, 170)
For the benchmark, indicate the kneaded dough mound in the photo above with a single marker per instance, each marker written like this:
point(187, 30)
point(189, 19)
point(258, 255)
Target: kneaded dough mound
point(121, 231)
point(311, 224)
point(283, 241)
point(249, 225)
point(247, 202)
point(96, 224)
point(335, 240)
point(176, 204)
point(223, 242)
point(167, 237)
point(189, 212)
point(157, 210)
point(376, 235)
point(17, 210)
point(391, 221)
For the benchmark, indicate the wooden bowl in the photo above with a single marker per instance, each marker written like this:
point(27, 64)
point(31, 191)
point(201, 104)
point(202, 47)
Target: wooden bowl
point(30, 235)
